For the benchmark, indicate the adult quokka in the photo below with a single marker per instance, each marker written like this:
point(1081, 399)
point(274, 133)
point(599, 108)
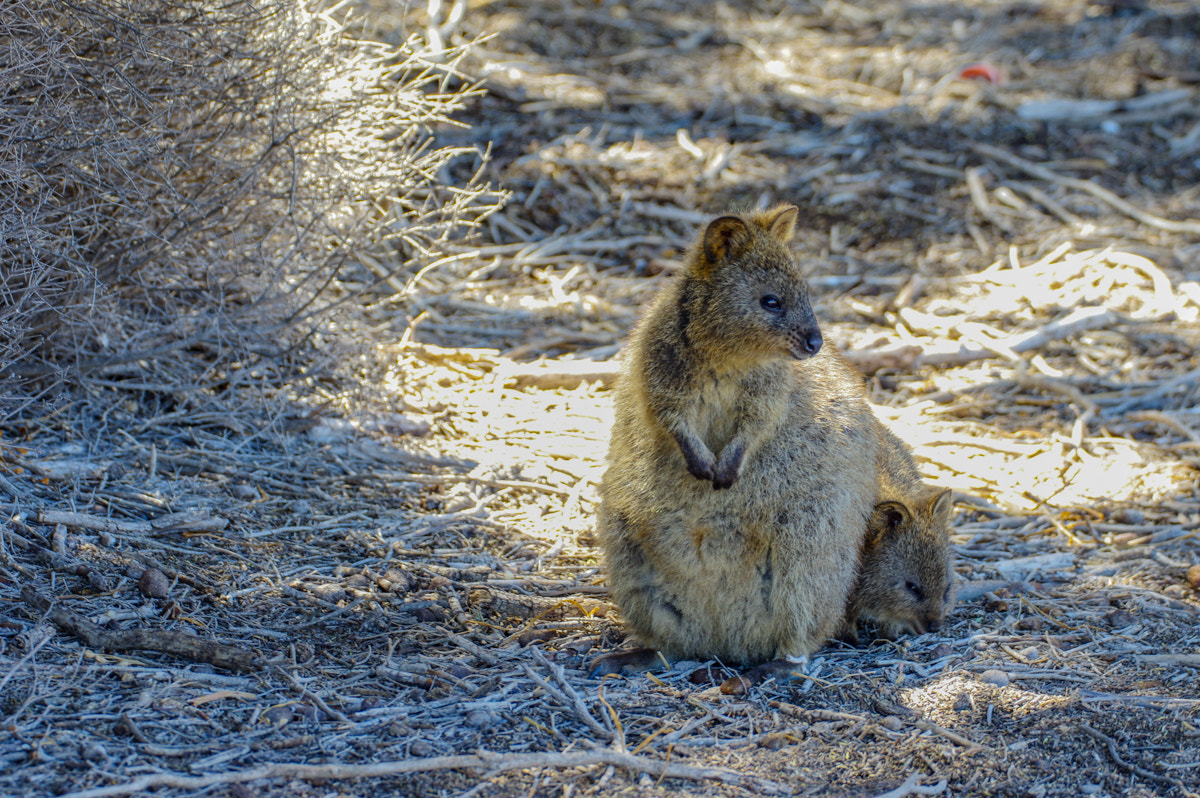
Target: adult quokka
point(742, 464)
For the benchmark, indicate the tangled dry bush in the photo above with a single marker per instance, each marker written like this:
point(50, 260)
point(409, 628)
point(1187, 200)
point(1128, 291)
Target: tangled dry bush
point(189, 188)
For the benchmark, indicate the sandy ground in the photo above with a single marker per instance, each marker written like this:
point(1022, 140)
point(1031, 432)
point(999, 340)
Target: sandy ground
point(402, 560)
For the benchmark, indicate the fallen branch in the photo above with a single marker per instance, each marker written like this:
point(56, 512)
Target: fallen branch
point(957, 739)
point(63, 562)
point(485, 760)
point(191, 521)
point(200, 465)
point(518, 605)
point(1072, 110)
point(910, 354)
point(180, 644)
point(1087, 186)
point(1159, 392)
point(567, 694)
point(1186, 660)
point(979, 198)
point(316, 699)
point(814, 715)
point(976, 589)
point(1111, 745)
point(477, 651)
point(912, 786)
point(817, 715)
point(1138, 700)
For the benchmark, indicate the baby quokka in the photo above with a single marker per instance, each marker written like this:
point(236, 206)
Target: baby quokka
point(904, 583)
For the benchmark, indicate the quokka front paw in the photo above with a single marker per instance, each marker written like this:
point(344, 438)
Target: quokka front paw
point(701, 463)
point(729, 467)
point(701, 469)
point(724, 478)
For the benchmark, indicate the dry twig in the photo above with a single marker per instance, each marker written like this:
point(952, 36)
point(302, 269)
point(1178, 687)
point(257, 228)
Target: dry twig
point(179, 644)
point(912, 786)
point(1110, 745)
point(486, 760)
point(1099, 192)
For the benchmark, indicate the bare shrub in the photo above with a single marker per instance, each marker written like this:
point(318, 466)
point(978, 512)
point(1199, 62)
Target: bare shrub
point(188, 188)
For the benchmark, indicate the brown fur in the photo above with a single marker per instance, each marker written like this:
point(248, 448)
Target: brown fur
point(741, 468)
point(905, 583)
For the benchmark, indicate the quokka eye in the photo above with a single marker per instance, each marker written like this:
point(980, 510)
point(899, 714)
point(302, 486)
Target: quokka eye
point(915, 589)
point(771, 303)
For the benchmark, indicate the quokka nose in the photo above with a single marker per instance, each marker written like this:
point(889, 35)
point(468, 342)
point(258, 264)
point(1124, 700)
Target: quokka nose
point(812, 342)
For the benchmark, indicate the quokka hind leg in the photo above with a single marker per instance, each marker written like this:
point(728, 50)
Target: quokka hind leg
point(782, 670)
point(633, 660)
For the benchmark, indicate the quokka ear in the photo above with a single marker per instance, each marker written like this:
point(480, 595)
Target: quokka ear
point(942, 506)
point(783, 223)
point(887, 517)
point(724, 237)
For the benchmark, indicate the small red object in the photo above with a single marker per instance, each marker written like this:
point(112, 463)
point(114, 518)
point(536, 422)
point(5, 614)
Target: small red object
point(985, 71)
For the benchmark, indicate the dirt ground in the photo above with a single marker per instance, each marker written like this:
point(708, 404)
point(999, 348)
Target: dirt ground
point(400, 560)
